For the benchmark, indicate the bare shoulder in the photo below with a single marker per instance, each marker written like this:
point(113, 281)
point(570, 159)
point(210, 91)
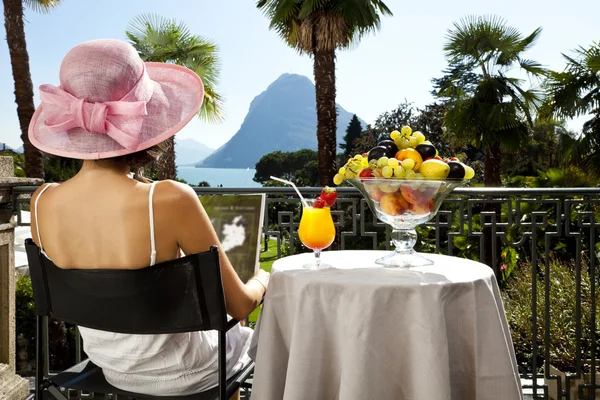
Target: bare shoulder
point(36, 194)
point(32, 209)
point(173, 190)
point(176, 196)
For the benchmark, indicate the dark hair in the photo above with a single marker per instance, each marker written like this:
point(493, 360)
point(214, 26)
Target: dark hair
point(143, 159)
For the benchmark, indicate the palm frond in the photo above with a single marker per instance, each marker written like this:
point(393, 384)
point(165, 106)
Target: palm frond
point(587, 149)
point(326, 24)
point(532, 97)
point(307, 7)
point(42, 6)
point(498, 111)
point(591, 56)
point(486, 41)
point(576, 90)
point(533, 68)
point(530, 40)
point(165, 40)
point(144, 24)
point(212, 110)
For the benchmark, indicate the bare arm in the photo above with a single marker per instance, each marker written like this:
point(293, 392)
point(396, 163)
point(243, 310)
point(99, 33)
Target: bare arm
point(196, 234)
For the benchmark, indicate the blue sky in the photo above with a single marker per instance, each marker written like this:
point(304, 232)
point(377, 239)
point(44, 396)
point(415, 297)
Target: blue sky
point(395, 64)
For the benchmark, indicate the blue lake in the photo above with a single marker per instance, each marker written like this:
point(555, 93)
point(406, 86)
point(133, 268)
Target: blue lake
point(228, 177)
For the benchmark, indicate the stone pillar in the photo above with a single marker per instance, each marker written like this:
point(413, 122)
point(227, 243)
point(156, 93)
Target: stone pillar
point(12, 387)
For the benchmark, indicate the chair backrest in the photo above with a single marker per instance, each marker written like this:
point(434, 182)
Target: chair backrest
point(182, 295)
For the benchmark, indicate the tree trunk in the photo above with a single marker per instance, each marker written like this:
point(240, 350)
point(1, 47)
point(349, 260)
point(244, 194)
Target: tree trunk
point(19, 59)
point(491, 175)
point(165, 165)
point(324, 70)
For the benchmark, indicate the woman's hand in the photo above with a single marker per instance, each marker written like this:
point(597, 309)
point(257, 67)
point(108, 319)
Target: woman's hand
point(261, 277)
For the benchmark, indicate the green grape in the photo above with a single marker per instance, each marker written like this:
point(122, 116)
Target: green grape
point(402, 143)
point(394, 135)
point(413, 142)
point(386, 188)
point(354, 168)
point(408, 164)
point(399, 172)
point(418, 175)
point(419, 136)
point(406, 131)
point(427, 142)
point(410, 174)
point(393, 163)
point(382, 162)
point(338, 179)
point(387, 172)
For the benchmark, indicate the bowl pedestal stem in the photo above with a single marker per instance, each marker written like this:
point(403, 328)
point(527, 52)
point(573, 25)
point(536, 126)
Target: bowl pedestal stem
point(404, 255)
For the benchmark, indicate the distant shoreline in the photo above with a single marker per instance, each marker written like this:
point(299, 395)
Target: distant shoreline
point(228, 177)
point(194, 166)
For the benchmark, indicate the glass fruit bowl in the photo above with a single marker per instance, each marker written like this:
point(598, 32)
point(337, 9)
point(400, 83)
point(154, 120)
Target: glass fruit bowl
point(404, 204)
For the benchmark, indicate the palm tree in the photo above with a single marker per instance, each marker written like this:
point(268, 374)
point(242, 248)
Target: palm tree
point(318, 28)
point(496, 112)
point(160, 39)
point(19, 60)
point(576, 92)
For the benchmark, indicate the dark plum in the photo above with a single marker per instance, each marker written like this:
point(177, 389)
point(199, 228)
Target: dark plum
point(426, 151)
point(377, 152)
point(391, 146)
point(457, 170)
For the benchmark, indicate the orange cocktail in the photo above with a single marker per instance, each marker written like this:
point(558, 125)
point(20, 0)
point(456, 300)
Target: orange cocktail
point(316, 231)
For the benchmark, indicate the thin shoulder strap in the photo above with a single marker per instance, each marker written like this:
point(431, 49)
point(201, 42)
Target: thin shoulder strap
point(151, 212)
point(37, 224)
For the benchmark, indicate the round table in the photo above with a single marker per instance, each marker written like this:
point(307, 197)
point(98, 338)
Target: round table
point(359, 331)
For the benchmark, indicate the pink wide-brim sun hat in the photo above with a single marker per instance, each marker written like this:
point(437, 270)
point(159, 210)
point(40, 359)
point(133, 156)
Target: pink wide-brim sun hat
point(110, 103)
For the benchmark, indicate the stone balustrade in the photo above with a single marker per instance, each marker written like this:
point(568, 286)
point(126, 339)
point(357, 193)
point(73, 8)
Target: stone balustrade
point(12, 387)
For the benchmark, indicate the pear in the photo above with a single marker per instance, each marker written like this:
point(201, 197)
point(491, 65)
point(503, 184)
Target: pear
point(434, 169)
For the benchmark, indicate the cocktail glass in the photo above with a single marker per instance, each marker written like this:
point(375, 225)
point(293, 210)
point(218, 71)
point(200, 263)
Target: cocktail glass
point(404, 204)
point(316, 231)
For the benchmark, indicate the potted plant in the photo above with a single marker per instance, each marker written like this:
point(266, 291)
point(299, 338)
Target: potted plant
point(562, 346)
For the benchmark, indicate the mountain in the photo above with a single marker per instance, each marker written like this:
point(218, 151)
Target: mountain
point(283, 117)
point(4, 146)
point(190, 151)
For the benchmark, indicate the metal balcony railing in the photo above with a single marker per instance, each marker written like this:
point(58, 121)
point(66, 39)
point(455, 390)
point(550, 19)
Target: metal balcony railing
point(542, 244)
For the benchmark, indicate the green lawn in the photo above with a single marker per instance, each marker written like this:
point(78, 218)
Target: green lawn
point(267, 258)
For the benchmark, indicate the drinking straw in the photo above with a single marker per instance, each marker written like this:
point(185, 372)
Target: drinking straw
point(294, 186)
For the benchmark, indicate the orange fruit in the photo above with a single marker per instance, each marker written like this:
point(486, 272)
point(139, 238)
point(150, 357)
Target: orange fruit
point(412, 154)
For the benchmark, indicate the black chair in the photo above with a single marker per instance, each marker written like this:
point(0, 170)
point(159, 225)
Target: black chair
point(182, 295)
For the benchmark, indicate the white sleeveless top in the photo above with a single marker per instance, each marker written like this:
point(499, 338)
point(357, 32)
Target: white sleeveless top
point(165, 364)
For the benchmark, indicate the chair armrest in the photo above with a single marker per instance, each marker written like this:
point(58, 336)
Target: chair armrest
point(231, 323)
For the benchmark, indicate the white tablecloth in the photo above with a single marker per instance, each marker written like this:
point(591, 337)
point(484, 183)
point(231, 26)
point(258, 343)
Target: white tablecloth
point(359, 331)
